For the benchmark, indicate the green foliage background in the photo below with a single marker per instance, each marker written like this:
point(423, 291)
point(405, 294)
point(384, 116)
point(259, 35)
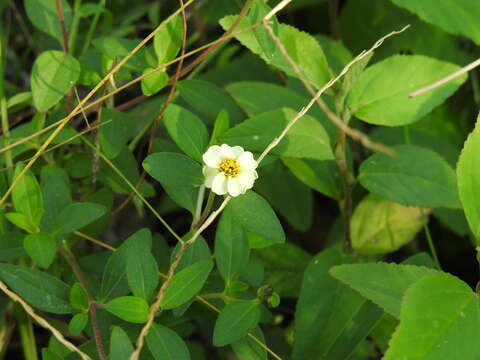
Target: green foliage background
point(357, 241)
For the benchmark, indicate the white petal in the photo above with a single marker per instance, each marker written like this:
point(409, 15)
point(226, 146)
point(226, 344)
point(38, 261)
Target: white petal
point(247, 178)
point(219, 184)
point(247, 161)
point(231, 152)
point(235, 186)
point(213, 156)
point(209, 174)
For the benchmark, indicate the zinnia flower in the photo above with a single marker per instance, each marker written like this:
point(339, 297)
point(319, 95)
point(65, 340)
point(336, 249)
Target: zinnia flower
point(229, 169)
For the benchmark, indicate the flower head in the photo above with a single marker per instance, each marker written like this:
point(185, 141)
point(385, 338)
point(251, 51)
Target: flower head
point(229, 169)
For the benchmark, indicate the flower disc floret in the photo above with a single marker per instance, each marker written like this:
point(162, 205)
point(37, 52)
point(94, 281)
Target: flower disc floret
point(229, 169)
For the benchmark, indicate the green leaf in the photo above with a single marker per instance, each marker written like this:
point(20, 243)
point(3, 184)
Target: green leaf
point(168, 40)
point(11, 246)
point(257, 12)
point(256, 97)
point(78, 297)
point(54, 73)
point(165, 344)
point(234, 322)
point(77, 215)
point(284, 267)
point(142, 269)
point(41, 247)
point(302, 48)
point(322, 176)
point(461, 20)
point(43, 14)
point(384, 284)
point(187, 130)
point(381, 95)
point(222, 123)
point(209, 99)
point(306, 139)
point(287, 195)
point(129, 308)
point(113, 136)
point(231, 246)
point(249, 349)
point(416, 177)
point(116, 48)
point(361, 21)
point(120, 345)
point(468, 173)
point(380, 226)
point(186, 284)
point(114, 280)
point(198, 251)
point(263, 222)
point(78, 323)
point(27, 197)
point(22, 221)
point(438, 320)
point(179, 176)
point(56, 195)
point(153, 83)
point(326, 311)
point(39, 289)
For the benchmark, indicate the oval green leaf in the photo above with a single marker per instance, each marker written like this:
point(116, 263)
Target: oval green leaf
point(415, 177)
point(381, 94)
point(54, 73)
point(186, 284)
point(165, 344)
point(129, 308)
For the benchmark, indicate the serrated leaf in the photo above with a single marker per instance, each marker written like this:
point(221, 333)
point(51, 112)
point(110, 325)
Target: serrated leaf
point(54, 73)
point(301, 47)
point(326, 310)
point(416, 177)
point(432, 327)
point(381, 95)
point(186, 284)
point(306, 139)
point(234, 322)
point(384, 284)
point(467, 11)
point(468, 173)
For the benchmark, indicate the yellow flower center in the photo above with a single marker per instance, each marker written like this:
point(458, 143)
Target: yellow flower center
point(230, 167)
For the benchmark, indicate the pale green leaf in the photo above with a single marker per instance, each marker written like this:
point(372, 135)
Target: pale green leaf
point(381, 94)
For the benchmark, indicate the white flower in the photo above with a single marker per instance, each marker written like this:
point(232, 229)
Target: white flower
point(229, 169)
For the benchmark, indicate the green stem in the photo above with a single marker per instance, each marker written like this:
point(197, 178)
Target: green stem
point(27, 338)
point(92, 27)
point(429, 239)
point(406, 135)
point(3, 102)
point(72, 39)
